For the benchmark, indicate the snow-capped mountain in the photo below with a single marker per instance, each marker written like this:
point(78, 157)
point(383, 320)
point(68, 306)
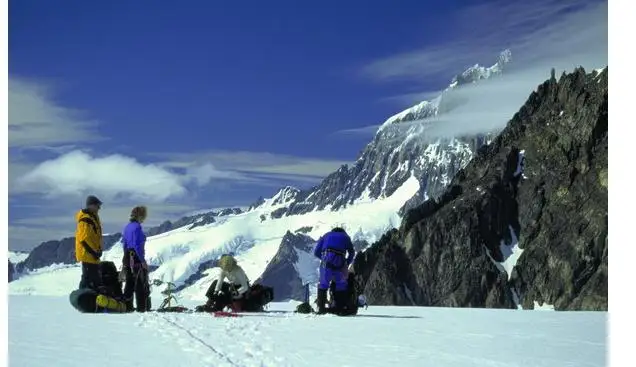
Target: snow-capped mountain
point(398, 169)
point(400, 150)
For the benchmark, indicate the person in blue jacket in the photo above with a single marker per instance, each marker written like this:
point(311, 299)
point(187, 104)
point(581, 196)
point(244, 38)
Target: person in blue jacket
point(134, 264)
point(336, 253)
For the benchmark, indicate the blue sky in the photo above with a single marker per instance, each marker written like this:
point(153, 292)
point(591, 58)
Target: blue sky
point(208, 104)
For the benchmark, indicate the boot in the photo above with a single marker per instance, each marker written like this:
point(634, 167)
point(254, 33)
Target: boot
point(129, 305)
point(321, 300)
point(341, 298)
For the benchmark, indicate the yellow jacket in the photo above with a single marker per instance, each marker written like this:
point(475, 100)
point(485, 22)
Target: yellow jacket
point(88, 237)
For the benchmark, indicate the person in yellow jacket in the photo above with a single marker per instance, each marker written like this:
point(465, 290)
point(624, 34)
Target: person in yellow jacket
point(88, 243)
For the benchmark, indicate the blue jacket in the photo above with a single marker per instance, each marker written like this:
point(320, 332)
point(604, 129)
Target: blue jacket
point(134, 239)
point(338, 241)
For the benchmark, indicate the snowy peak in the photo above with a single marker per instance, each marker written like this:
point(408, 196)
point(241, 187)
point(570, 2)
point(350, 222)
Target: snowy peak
point(476, 72)
point(473, 74)
point(291, 267)
point(394, 156)
point(285, 195)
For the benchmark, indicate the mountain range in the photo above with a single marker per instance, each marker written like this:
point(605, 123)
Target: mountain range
point(450, 221)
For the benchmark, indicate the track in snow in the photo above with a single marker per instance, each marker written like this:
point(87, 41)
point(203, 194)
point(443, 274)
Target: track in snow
point(238, 343)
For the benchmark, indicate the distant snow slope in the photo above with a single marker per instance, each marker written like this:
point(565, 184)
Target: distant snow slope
point(179, 253)
point(379, 336)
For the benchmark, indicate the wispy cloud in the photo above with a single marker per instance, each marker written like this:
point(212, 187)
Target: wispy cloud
point(36, 121)
point(409, 99)
point(536, 31)
point(541, 35)
point(248, 163)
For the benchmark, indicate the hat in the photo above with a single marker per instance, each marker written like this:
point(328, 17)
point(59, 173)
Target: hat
point(93, 200)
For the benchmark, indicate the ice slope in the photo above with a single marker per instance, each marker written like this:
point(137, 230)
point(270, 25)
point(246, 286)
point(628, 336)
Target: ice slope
point(45, 331)
point(179, 253)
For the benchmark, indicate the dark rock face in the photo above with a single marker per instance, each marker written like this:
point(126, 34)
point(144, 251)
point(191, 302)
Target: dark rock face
point(11, 271)
point(281, 273)
point(60, 252)
point(445, 251)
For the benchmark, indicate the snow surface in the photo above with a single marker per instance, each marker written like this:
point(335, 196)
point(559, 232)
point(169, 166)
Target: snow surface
point(379, 336)
point(543, 306)
point(178, 253)
point(17, 257)
point(521, 161)
point(511, 254)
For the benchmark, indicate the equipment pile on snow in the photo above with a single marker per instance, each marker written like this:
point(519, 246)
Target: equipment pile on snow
point(107, 298)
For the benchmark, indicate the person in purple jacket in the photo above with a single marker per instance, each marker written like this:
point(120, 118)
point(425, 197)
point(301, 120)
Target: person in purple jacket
point(336, 253)
point(134, 264)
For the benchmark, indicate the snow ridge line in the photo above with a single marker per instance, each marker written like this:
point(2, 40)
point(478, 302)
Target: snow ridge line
point(211, 348)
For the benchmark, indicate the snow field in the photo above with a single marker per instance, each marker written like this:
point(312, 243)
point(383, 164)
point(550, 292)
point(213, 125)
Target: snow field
point(45, 329)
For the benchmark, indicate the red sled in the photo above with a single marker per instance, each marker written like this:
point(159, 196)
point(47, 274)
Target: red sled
point(225, 314)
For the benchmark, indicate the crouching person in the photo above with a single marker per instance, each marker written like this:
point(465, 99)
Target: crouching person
point(134, 263)
point(233, 293)
point(336, 253)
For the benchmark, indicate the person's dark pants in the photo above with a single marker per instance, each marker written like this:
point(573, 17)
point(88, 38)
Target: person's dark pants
point(221, 300)
point(91, 277)
point(137, 284)
point(335, 279)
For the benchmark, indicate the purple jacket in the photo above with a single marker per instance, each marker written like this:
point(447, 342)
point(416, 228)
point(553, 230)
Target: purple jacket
point(134, 239)
point(338, 241)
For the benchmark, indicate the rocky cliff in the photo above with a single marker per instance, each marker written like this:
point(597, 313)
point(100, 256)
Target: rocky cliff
point(524, 223)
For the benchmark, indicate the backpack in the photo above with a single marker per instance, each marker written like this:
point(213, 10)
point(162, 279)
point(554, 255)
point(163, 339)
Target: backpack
point(259, 296)
point(110, 279)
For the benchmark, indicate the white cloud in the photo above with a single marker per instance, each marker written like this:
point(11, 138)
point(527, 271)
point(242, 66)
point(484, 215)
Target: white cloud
point(37, 121)
point(574, 38)
point(109, 177)
point(78, 173)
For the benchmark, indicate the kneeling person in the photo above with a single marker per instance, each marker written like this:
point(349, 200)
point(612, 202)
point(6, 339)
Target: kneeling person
point(235, 292)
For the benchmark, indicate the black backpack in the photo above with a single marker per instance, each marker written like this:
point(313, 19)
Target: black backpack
point(110, 279)
point(260, 295)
